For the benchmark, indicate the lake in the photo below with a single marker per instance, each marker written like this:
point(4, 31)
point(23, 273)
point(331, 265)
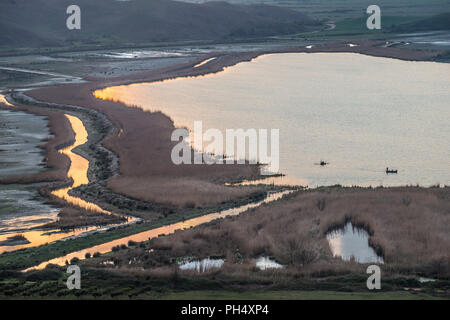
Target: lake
point(359, 113)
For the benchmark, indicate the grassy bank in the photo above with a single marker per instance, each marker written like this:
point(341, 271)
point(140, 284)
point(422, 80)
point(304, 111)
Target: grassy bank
point(294, 295)
point(103, 284)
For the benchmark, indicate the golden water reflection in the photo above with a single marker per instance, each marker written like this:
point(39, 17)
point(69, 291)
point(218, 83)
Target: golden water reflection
point(204, 62)
point(78, 168)
point(165, 230)
point(78, 172)
point(4, 101)
point(277, 181)
point(40, 237)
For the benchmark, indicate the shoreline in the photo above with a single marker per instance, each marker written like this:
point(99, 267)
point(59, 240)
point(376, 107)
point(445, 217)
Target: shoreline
point(123, 119)
point(85, 91)
point(222, 60)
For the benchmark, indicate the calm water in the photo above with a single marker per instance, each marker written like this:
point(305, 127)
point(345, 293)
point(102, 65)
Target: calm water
point(359, 113)
point(21, 136)
point(264, 263)
point(202, 265)
point(352, 243)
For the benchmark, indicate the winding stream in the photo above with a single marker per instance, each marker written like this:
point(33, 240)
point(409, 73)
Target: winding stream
point(78, 168)
point(78, 172)
point(165, 230)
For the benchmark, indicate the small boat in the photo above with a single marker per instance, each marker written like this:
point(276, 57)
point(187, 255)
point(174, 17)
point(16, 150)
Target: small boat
point(389, 171)
point(322, 163)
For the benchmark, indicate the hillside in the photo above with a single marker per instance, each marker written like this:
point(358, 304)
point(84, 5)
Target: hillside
point(437, 22)
point(43, 22)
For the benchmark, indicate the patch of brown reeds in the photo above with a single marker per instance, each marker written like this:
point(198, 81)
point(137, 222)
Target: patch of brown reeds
point(408, 226)
point(71, 217)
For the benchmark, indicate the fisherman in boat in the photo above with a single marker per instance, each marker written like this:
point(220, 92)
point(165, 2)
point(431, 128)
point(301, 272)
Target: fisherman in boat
point(390, 171)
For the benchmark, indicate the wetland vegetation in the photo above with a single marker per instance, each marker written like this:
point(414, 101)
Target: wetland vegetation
point(255, 250)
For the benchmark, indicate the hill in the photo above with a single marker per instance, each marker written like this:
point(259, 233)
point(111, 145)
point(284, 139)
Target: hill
point(437, 22)
point(43, 22)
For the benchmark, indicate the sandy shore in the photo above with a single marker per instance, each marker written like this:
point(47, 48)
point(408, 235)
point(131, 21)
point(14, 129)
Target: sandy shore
point(142, 139)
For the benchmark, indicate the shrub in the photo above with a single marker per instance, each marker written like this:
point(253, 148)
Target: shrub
point(189, 204)
point(43, 275)
point(74, 260)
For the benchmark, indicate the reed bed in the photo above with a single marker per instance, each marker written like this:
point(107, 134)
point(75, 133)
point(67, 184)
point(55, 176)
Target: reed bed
point(409, 226)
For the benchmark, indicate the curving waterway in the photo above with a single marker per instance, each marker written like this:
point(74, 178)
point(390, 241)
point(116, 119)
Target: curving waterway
point(165, 230)
point(78, 173)
point(34, 236)
point(28, 224)
point(78, 168)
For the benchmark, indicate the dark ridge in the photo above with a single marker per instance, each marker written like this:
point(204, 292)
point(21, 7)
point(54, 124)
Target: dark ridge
point(43, 22)
point(437, 22)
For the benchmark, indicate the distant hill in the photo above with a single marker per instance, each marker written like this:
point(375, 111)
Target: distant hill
point(43, 22)
point(437, 22)
point(16, 36)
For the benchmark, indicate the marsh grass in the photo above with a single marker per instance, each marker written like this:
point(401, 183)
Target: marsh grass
point(412, 238)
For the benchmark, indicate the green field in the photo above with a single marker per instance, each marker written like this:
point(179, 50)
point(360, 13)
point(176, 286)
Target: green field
point(351, 28)
point(294, 295)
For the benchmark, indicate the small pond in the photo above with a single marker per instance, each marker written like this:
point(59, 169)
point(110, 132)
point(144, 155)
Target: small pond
point(264, 263)
point(202, 265)
point(351, 242)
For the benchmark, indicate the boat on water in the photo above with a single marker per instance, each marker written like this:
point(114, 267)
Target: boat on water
point(391, 171)
point(322, 163)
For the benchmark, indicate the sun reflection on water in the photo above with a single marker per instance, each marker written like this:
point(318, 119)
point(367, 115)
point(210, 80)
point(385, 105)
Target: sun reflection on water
point(4, 101)
point(78, 168)
point(165, 230)
point(78, 173)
